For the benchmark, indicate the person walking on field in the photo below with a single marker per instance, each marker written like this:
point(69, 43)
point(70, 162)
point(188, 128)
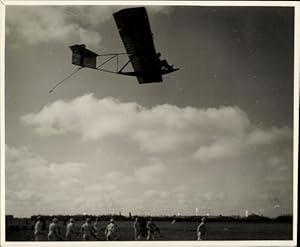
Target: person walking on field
point(151, 229)
point(38, 229)
point(88, 232)
point(137, 229)
point(54, 233)
point(201, 229)
point(111, 231)
point(143, 227)
point(70, 230)
point(96, 227)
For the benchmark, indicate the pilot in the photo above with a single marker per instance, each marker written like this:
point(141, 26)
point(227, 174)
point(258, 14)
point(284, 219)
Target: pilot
point(164, 66)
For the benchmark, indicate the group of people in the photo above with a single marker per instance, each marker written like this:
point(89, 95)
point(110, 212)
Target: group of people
point(88, 230)
point(93, 231)
point(142, 231)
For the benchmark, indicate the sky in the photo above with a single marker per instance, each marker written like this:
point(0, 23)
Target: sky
point(216, 135)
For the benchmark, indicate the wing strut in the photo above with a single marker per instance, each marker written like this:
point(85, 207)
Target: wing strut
point(75, 71)
point(106, 61)
point(120, 71)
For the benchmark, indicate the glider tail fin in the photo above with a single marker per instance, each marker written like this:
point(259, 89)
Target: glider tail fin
point(83, 57)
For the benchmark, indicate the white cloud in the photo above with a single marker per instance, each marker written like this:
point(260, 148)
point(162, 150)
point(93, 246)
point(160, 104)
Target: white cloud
point(194, 154)
point(162, 128)
point(61, 24)
point(78, 116)
point(34, 184)
point(206, 134)
point(219, 150)
point(261, 137)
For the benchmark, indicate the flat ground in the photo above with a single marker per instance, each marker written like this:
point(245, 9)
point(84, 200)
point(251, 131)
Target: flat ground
point(183, 231)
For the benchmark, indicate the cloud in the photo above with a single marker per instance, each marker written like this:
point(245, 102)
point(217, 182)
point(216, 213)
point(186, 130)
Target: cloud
point(31, 166)
point(219, 151)
point(112, 117)
point(34, 184)
point(162, 128)
point(206, 134)
point(200, 156)
point(264, 137)
point(60, 24)
point(210, 134)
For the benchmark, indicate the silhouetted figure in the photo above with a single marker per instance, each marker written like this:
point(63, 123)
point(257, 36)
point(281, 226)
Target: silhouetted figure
point(164, 65)
point(201, 229)
point(70, 230)
point(111, 231)
point(137, 229)
point(87, 230)
point(151, 229)
point(96, 227)
point(143, 227)
point(38, 229)
point(54, 233)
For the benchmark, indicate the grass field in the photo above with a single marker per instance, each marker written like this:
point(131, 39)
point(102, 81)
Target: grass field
point(185, 231)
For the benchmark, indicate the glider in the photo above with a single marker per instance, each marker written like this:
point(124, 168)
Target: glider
point(135, 32)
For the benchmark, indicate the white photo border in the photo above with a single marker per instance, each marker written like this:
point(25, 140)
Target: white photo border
point(295, 5)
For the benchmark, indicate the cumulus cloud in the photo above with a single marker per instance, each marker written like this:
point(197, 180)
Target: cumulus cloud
point(199, 156)
point(61, 24)
point(162, 128)
point(260, 136)
point(219, 150)
point(35, 25)
point(209, 134)
point(32, 182)
point(35, 185)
